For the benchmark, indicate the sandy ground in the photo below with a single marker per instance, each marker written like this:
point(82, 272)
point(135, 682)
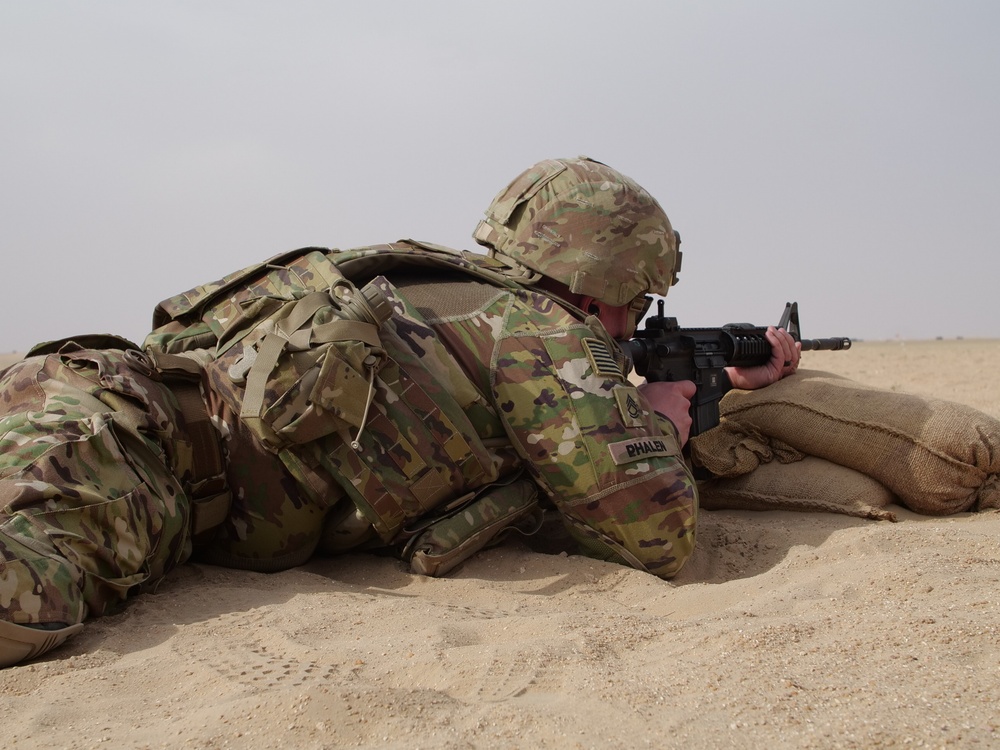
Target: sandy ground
point(786, 630)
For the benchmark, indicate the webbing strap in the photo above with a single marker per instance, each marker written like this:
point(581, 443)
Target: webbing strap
point(293, 332)
point(346, 330)
point(302, 311)
point(268, 352)
point(286, 334)
point(338, 329)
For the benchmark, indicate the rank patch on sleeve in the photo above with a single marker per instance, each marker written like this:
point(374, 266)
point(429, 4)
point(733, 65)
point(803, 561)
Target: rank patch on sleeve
point(629, 406)
point(602, 360)
point(637, 449)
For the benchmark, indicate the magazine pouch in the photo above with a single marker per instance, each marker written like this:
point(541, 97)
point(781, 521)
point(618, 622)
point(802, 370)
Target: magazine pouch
point(472, 523)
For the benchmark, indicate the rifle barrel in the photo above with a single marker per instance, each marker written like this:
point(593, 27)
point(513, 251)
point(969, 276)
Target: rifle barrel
point(832, 345)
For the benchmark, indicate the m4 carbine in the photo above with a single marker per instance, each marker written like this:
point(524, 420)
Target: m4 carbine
point(664, 351)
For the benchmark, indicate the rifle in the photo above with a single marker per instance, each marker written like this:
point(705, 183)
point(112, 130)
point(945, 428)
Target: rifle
point(664, 351)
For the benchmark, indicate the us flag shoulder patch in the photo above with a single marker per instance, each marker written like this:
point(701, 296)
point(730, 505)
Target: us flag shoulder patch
point(602, 360)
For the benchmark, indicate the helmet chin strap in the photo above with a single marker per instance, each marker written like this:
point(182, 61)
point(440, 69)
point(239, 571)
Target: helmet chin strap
point(620, 320)
point(514, 269)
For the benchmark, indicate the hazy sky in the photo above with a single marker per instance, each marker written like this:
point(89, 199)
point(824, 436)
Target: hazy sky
point(843, 154)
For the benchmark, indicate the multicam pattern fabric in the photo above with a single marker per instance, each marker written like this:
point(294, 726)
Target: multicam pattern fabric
point(279, 508)
point(92, 500)
point(279, 503)
point(449, 538)
point(471, 382)
point(587, 225)
point(564, 418)
point(236, 301)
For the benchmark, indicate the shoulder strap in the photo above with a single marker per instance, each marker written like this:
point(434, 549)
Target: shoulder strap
point(101, 341)
point(203, 295)
point(362, 264)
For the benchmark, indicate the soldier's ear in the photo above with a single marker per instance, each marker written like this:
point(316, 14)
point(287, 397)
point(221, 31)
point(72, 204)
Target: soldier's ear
point(615, 319)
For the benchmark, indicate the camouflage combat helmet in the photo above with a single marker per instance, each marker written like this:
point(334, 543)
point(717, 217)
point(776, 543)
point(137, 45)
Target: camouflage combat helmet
point(586, 225)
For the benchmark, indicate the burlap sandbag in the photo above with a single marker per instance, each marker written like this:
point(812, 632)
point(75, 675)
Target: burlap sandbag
point(936, 456)
point(733, 449)
point(811, 484)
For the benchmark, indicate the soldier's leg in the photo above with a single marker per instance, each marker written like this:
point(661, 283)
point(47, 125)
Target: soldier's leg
point(89, 508)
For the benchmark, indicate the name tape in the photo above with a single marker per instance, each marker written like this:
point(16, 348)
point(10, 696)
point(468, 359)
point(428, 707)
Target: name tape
point(628, 451)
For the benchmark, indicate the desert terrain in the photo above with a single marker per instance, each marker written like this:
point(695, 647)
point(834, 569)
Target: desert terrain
point(786, 630)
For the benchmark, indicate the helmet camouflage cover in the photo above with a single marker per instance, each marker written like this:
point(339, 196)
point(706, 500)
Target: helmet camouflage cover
point(586, 225)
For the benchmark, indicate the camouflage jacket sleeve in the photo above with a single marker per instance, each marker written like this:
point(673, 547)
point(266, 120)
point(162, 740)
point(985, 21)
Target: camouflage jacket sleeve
point(606, 460)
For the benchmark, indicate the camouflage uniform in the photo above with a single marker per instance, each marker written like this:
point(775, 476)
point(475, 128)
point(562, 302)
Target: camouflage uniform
point(402, 396)
point(93, 504)
point(477, 383)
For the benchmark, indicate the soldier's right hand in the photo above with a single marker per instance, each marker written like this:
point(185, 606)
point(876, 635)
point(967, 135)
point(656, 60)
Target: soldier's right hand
point(673, 401)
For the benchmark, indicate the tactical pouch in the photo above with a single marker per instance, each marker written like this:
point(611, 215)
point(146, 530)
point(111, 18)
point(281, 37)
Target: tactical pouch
point(311, 370)
point(299, 353)
point(409, 446)
point(313, 382)
point(473, 523)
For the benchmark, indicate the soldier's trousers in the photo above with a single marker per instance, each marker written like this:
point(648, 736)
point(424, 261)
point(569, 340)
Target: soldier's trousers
point(92, 498)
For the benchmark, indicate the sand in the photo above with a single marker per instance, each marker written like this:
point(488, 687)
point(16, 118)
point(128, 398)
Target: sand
point(786, 630)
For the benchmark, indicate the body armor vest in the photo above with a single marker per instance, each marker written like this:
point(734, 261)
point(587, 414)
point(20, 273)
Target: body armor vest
point(308, 348)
